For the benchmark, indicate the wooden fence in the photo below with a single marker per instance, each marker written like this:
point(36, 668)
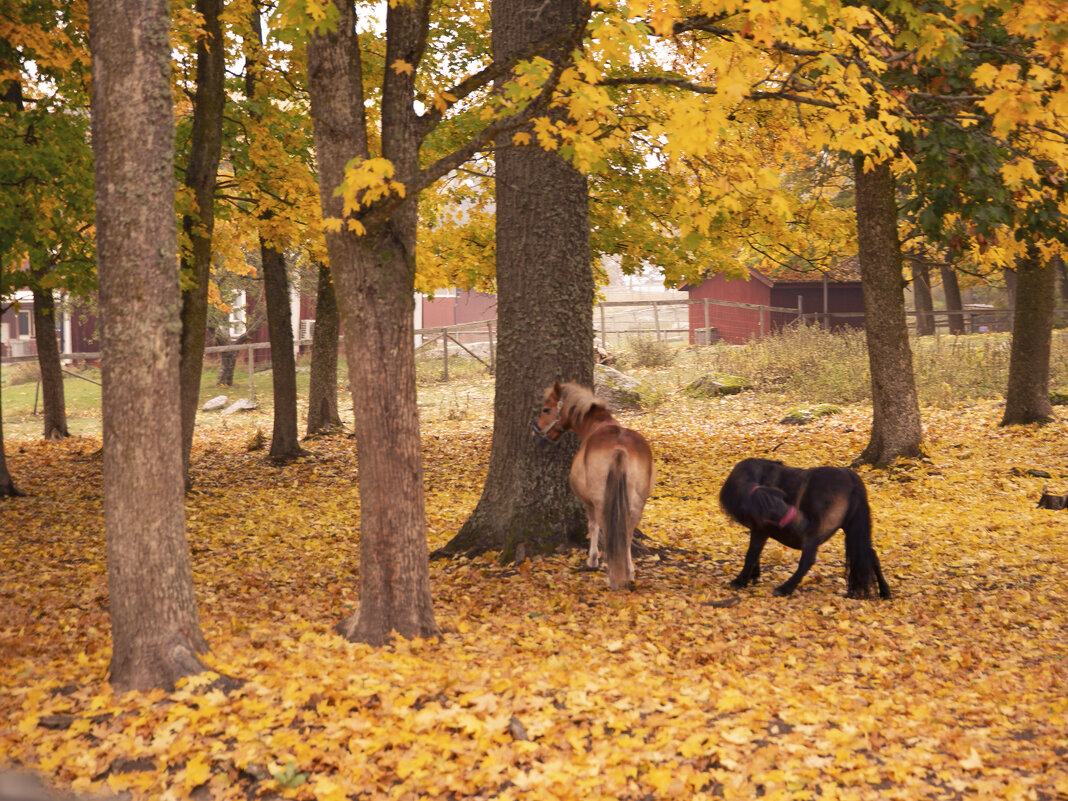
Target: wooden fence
point(664, 320)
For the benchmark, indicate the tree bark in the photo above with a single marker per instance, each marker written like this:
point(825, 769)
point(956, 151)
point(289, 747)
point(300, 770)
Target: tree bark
point(896, 428)
point(1061, 268)
point(7, 484)
point(1010, 286)
point(155, 625)
point(323, 416)
point(1027, 397)
point(545, 295)
point(55, 405)
point(951, 287)
point(285, 444)
point(200, 176)
point(374, 276)
point(921, 292)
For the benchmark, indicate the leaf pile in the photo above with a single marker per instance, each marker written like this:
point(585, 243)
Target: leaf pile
point(545, 684)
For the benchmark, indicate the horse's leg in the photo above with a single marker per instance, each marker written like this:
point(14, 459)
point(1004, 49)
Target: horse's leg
point(593, 560)
point(808, 558)
point(884, 588)
point(751, 568)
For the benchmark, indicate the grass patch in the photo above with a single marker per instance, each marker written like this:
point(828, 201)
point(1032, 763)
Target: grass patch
point(800, 365)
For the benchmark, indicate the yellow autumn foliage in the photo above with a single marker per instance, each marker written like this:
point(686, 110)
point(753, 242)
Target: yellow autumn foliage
point(545, 684)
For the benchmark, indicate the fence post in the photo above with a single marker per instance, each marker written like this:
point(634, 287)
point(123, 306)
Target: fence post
point(708, 325)
point(604, 332)
point(801, 310)
point(489, 329)
point(251, 374)
point(445, 350)
point(656, 318)
point(760, 316)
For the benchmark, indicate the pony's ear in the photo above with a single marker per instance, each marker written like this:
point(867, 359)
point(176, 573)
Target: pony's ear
point(558, 390)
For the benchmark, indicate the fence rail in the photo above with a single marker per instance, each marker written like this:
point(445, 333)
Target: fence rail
point(666, 320)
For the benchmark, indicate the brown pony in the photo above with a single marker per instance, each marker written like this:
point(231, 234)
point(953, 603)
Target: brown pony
point(612, 473)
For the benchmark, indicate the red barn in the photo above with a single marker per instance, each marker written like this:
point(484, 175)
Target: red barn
point(454, 307)
point(739, 310)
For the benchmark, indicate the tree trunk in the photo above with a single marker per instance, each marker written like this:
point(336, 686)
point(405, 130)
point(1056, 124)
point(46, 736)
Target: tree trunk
point(154, 621)
point(227, 363)
point(55, 405)
point(545, 297)
point(896, 429)
point(323, 416)
point(1061, 268)
point(951, 287)
point(1010, 286)
point(921, 291)
point(374, 277)
point(1027, 397)
point(285, 443)
point(7, 484)
point(200, 176)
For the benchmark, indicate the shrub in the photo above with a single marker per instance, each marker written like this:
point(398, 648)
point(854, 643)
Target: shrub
point(20, 373)
point(648, 351)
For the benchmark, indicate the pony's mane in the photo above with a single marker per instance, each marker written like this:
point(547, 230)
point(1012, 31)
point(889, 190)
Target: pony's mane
point(579, 401)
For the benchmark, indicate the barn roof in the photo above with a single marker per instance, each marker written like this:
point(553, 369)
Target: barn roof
point(844, 271)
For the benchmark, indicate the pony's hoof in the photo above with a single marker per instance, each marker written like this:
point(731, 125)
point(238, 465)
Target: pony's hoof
point(782, 592)
point(738, 584)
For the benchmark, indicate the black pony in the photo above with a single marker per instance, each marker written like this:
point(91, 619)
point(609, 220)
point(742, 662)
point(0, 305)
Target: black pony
point(802, 509)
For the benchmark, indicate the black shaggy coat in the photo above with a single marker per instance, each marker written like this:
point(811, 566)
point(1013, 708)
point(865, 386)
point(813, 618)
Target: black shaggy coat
point(802, 509)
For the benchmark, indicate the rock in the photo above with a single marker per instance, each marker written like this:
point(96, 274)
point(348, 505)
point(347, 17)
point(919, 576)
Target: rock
point(242, 405)
point(218, 402)
point(801, 415)
point(621, 391)
point(716, 384)
point(1058, 397)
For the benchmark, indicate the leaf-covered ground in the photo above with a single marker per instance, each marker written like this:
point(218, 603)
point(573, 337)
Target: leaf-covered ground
point(545, 684)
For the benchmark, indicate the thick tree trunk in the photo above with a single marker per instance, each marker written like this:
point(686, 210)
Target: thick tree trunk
point(154, 621)
point(7, 484)
point(227, 363)
point(921, 292)
point(1027, 397)
point(896, 428)
point(374, 276)
point(54, 402)
point(323, 416)
point(951, 287)
point(1010, 286)
point(285, 443)
point(545, 297)
point(200, 176)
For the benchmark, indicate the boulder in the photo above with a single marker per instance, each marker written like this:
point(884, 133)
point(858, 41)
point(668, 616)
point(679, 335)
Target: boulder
point(716, 384)
point(802, 415)
point(242, 405)
point(621, 391)
point(218, 402)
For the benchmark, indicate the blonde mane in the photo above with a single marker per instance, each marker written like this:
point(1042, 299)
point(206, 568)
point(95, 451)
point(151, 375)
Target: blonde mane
point(578, 401)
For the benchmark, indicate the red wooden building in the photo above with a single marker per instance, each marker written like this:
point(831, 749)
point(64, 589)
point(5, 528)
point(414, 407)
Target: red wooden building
point(454, 307)
point(833, 299)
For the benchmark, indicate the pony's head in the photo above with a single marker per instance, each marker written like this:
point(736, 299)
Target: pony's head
point(562, 409)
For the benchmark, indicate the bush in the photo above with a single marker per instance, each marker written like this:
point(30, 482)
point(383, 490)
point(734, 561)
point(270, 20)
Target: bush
point(801, 360)
point(648, 351)
point(20, 373)
point(812, 365)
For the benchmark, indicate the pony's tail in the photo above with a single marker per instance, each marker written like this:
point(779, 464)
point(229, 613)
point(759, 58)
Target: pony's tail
point(863, 571)
point(617, 541)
